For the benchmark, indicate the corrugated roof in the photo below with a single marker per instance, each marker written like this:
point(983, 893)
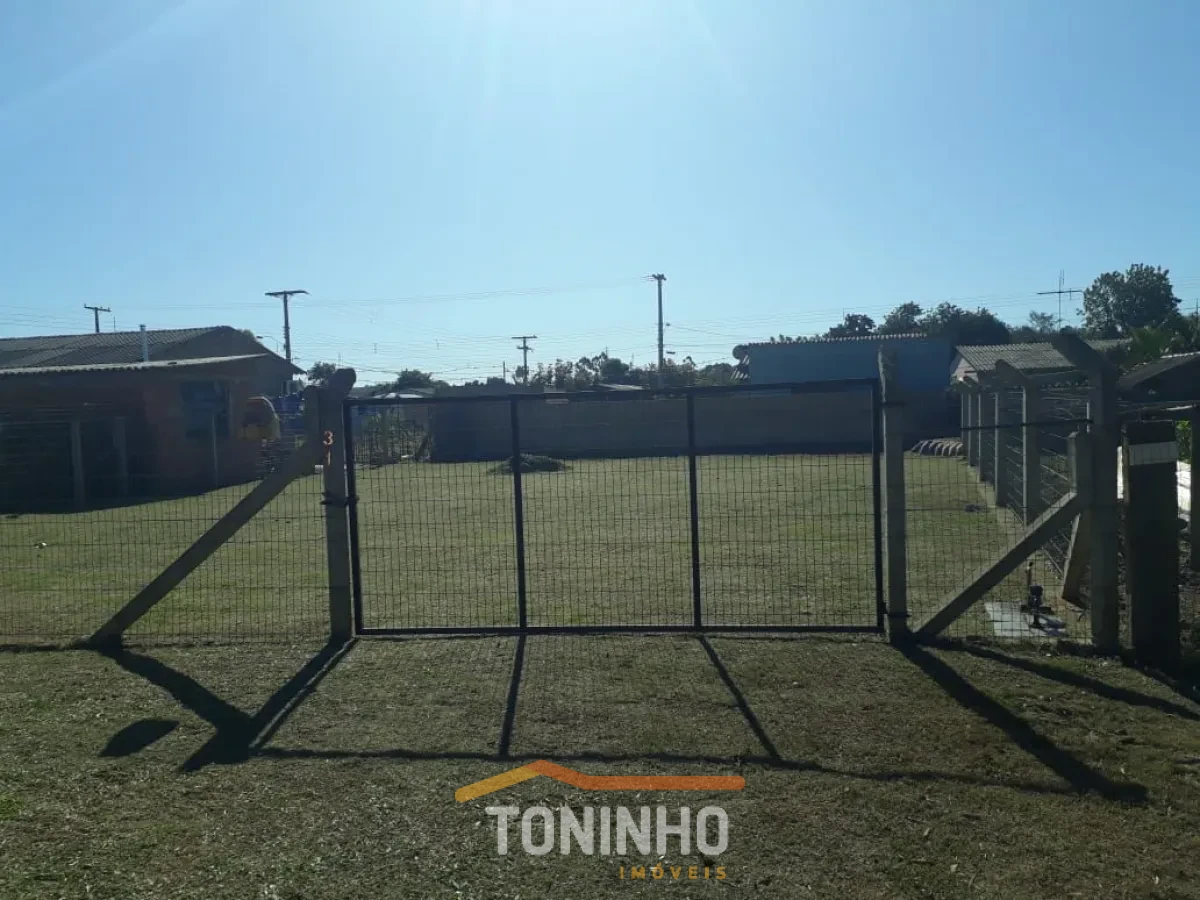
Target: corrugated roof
point(1153, 369)
point(1037, 357)
point(109, 348)
point(30, 371)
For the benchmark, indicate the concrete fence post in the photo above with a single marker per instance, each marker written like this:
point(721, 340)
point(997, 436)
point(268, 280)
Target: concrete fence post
point(1003, 474)
point(1106, 515)
point(973, 401)
point(1031, 452)
point(1194, 492)
point(894, 506)
point(337, 522)
point(1105, 518)
point(1152, 541)
point(987, 436)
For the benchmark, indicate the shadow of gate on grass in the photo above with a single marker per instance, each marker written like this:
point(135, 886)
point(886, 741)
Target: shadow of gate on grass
point(549, 691)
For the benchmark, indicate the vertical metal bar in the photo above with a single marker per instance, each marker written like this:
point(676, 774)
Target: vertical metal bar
point(518, 510)
point(877, 502)
point(694, 507)
point(352, 501)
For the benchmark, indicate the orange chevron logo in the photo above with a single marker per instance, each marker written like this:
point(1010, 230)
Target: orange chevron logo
point(598, 782)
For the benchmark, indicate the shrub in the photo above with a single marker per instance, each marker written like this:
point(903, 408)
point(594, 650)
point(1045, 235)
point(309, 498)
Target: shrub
point(531, 463)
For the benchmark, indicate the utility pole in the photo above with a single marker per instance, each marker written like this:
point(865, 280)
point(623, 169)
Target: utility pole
point(287, 325)
point(1068, 291)
point(660, 278)
point(525, 348)
point(96, 310)
point(504, 370)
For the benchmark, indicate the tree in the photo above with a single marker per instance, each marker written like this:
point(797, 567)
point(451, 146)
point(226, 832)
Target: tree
point(963, 326)
point(412, 378)
point(904, 319)
point(1117, 303)
point(852, 325)
point(1040, 327)
point(321, 372)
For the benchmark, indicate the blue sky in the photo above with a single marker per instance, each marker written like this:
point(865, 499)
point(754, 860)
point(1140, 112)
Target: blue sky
point(408, 161)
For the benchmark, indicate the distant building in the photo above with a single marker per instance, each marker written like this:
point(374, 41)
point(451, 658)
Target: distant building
point(1174, 377)
point(271, 374)
point(88, 419)
point(1039, 358)
point(921, 361)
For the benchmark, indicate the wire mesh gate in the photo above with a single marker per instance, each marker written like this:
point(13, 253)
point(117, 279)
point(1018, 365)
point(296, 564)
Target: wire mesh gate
point(725, 508)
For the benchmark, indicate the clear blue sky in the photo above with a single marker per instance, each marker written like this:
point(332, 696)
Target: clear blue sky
point(780, 161)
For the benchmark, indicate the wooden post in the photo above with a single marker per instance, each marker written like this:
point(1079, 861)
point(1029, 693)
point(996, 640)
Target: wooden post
point(121, 445)
point(996, 571)
point(1152, 541)
point(337, 523)
point(999, 436)
point(297, 465)
point(895, 535)
point(987, 422)
point(79, 481)
point(1194, 492)
point(1031, 451)
point(1105, 514)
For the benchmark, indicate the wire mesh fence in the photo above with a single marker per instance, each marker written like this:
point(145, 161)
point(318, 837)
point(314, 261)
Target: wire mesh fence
point(93, 506)
point(635, 510)
point(964, 512)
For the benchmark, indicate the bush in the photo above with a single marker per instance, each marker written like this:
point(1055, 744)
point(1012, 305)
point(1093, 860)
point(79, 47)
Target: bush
point(531, 463)
point(1183, 434)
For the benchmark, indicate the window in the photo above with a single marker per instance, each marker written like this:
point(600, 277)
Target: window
point(205, 404)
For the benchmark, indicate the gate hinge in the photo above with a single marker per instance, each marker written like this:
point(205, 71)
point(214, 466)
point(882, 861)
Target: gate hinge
point(329, 500)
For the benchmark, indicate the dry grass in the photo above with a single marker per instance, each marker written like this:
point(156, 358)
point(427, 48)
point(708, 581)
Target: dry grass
point(870, 772)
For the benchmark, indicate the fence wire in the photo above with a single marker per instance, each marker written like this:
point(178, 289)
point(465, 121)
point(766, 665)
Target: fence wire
point(94, 505)
point(965, 511)
point(726, 509)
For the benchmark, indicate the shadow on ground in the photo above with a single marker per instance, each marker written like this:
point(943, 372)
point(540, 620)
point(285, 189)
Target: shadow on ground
point(833, 707)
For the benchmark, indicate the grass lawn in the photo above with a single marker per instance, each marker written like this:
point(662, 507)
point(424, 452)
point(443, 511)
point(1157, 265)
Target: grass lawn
point(179, 772)
point(784, 540)
point(283, 770)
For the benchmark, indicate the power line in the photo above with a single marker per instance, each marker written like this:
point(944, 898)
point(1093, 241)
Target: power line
point(287, 326)
point(524, 348)
point(96, 310)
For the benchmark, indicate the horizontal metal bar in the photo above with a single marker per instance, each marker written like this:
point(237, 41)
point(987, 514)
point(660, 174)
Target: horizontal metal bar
point(800, 387)
point(513, 631)
point(1044, 423)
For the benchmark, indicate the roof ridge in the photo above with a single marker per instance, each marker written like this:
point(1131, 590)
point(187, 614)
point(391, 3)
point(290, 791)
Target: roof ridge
point(100, 334)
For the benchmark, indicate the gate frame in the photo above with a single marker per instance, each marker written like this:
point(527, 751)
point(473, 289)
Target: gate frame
point(688, 394)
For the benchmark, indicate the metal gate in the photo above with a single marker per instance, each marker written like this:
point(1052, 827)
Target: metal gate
point(744, 508)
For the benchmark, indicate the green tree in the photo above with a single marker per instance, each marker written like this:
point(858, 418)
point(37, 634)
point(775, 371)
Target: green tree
point(412, 378)
point(1040, 327)
point(964, 326)
point(321, 372)
point(852, 325)
point(1119, 302)
point(904, 319)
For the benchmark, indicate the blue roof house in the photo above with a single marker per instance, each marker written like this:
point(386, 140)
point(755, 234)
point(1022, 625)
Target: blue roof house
point(923, 362)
